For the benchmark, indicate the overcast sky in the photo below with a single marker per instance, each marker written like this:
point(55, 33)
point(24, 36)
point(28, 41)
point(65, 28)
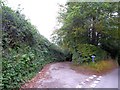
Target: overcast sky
point(42, 13)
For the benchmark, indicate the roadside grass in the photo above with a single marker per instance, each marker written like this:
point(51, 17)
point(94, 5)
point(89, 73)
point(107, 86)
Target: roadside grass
point(100, 67)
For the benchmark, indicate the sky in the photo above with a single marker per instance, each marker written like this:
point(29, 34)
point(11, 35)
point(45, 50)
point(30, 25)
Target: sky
point(42, 13)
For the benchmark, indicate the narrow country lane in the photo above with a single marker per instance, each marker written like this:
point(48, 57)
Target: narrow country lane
point(110, 80)
point(60, 75)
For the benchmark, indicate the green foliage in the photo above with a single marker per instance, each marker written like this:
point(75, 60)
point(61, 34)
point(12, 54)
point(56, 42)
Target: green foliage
point(25, 51)
point(102, 66)
point(85, 51)
point(88, 50)
point(16, 66)
point(89, 23)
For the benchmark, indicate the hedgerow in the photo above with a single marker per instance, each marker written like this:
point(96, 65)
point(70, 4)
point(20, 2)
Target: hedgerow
point(25, 51)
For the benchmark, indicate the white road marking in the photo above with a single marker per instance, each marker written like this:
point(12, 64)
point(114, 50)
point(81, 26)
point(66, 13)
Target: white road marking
point(100, 76)
point(93, 85)
point(94, 76)
point(91, 77)
point(82, 83)
point(96, 82)
point(98, 79)
point(87, 80)
point(79, 86)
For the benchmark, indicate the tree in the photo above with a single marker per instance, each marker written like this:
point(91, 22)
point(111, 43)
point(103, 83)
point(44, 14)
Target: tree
point(89, 23)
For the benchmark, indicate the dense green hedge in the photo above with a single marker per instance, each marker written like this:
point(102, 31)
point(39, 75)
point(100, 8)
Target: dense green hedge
point(25, 51)
point(85, 51)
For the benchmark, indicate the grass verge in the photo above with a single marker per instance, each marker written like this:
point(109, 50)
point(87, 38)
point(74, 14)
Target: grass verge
point(99, 68)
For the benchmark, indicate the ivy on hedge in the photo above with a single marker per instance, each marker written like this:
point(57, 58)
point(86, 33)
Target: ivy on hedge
point(25, 51)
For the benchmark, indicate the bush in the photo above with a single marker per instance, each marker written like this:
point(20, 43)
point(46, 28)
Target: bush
point(85, 51)
point(25, 51)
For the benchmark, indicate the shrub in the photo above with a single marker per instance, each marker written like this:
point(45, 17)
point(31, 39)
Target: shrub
point(85, 51)
point(25, 51)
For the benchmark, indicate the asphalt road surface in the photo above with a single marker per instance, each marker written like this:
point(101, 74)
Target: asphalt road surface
point(110, 80)
point(60, 75)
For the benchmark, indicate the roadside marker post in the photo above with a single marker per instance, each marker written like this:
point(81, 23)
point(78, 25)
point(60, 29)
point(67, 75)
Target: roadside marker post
point(93, 58)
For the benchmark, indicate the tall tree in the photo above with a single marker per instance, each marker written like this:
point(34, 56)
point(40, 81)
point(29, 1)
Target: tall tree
point(89, 23)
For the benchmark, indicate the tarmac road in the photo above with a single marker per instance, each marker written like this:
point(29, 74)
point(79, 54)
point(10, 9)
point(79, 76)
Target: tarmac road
point(60, 75)
point(110, 80)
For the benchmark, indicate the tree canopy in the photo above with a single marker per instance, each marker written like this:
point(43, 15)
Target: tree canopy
point(91, 23)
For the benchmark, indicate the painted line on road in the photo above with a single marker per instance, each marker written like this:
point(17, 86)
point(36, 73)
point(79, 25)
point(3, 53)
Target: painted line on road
point(79, 86)
point(94, 75)
point(82, 83)
point(91, 77)
point(96, 82)
point(98, 78)
point(93, 85)
point(87, 80)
